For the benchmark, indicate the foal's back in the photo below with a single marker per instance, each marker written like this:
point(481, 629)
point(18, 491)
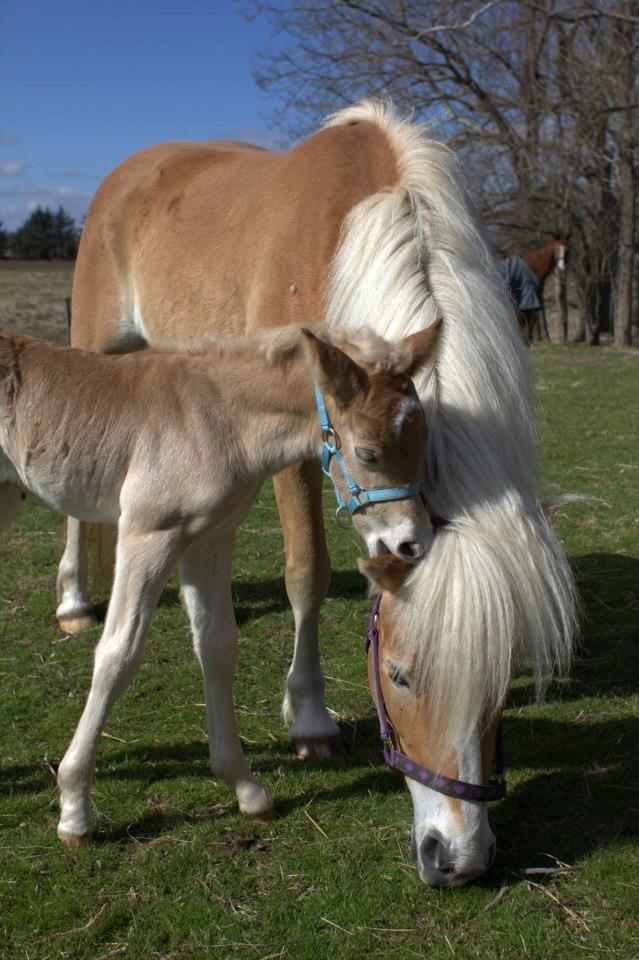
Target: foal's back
point(73, 424)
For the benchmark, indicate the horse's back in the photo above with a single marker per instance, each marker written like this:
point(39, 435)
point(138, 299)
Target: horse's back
point(185, 239)
point(139, 238)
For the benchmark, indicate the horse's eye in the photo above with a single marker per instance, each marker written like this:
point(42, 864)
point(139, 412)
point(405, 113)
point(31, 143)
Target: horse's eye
point(367, 454)
point(397, 677)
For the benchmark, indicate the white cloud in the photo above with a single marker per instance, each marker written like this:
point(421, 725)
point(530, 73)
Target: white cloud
point(17, 202)
point(12, 168)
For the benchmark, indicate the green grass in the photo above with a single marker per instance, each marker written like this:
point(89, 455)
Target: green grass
point(176, 872)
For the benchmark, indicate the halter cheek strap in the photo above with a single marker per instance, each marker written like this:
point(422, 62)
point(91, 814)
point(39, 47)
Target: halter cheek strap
point(495, 789)
point(359, 497)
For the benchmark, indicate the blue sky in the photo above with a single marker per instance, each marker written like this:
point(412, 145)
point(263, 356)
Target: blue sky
point(84, 84)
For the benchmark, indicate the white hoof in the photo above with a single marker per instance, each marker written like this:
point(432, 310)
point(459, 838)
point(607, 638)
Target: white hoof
point(255, 800)
point(72, 841)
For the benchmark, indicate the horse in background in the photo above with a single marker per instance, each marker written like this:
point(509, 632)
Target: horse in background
point(526, 276)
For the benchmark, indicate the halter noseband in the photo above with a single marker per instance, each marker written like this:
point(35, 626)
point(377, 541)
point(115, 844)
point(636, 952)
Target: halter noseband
point(359, 497)
point(495, 789)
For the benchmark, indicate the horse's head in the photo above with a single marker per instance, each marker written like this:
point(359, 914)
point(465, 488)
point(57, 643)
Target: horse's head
point(561, 250)
point(452, 842)
point(374, 434)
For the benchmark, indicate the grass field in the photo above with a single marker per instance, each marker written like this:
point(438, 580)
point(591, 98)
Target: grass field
point(176, 872)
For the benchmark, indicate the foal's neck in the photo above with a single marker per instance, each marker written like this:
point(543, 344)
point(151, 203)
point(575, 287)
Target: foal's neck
point(273, 409)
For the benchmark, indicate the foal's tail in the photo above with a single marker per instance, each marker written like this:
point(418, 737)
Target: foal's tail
point(11, 499)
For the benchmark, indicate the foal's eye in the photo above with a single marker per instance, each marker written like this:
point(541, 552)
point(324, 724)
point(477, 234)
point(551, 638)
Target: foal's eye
point(397, 677)
point(367, 454)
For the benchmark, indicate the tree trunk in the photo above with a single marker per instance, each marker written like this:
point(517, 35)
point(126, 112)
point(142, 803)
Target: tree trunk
point(627, 188)
point(593, 313)
point(625, 263)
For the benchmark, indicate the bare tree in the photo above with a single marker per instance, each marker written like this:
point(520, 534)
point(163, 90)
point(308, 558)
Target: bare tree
point(539, 97)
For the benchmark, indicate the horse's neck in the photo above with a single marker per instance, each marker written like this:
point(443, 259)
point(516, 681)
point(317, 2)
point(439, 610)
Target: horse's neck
point(541, 259)
point(272, 409)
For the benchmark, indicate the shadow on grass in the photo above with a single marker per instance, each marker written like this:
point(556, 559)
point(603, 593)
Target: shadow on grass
point(607, 656)
point(580, 792)
point(253, 599)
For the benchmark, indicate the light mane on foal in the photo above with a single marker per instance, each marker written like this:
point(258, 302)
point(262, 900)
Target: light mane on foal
point(278, 344)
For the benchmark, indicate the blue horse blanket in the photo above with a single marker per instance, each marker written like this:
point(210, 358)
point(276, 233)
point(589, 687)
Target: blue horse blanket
point(525, 284)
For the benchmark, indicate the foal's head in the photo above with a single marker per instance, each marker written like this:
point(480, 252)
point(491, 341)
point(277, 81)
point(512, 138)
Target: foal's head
point(451, 840)
point(378, 429)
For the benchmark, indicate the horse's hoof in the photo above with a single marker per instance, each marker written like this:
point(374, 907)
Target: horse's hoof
point(75, 625)
point(74, 843)
point(320, 748)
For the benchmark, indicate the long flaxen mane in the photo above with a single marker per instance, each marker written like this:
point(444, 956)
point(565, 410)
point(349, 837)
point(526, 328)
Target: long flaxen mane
point(496, 588)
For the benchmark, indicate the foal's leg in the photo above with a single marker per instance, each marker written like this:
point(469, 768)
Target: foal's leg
point(308, 573)
point(143, 564)
point(75, 610)
point(206, 588)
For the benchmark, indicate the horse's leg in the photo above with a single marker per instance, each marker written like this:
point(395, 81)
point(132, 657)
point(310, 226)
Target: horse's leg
point(205, 574)
point(75, 610)
point(100, 320)
point(308, 573)
point(529, 319)
point(143, 564)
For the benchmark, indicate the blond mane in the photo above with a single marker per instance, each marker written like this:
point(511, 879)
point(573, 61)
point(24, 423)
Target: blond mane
point(496, 588)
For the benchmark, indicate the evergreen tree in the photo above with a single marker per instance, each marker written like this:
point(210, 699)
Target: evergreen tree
point(4, 241)
point(46, 235)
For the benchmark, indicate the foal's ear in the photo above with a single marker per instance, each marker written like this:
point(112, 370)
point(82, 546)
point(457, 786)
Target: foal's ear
point(335, 372)
point(419, 349)
point(386, 572)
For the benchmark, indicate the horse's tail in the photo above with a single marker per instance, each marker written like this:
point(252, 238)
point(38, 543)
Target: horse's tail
point(496, 587)
point(11, 377)
point(101, 542)
point(11, 499)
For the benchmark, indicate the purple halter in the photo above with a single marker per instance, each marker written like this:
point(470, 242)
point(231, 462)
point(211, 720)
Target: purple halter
point(495, 789)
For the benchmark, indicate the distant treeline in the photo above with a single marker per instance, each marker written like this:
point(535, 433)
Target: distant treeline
point(44, 235)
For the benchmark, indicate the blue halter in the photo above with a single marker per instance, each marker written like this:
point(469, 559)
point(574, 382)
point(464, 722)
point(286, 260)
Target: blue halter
point(360, 498)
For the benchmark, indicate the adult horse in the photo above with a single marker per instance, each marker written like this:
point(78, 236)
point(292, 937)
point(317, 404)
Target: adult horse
point(367, 221)
point(526, 276)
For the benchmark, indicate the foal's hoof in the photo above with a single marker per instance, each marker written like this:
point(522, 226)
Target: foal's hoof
point(73, 843)
point(318, 748)
point(75, 625)
point(255, 800)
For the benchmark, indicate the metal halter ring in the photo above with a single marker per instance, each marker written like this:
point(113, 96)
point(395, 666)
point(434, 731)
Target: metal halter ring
point(343, 518)
point(327, 434)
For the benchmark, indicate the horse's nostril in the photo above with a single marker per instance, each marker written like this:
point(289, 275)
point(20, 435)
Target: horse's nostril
point(435, 854)
point(409, 548)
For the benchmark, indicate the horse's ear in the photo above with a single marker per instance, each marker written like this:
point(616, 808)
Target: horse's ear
point(419, 349)
point(335, 372)
point(386, 572)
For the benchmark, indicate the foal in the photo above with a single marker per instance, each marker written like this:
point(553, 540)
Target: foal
point(173, 448)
